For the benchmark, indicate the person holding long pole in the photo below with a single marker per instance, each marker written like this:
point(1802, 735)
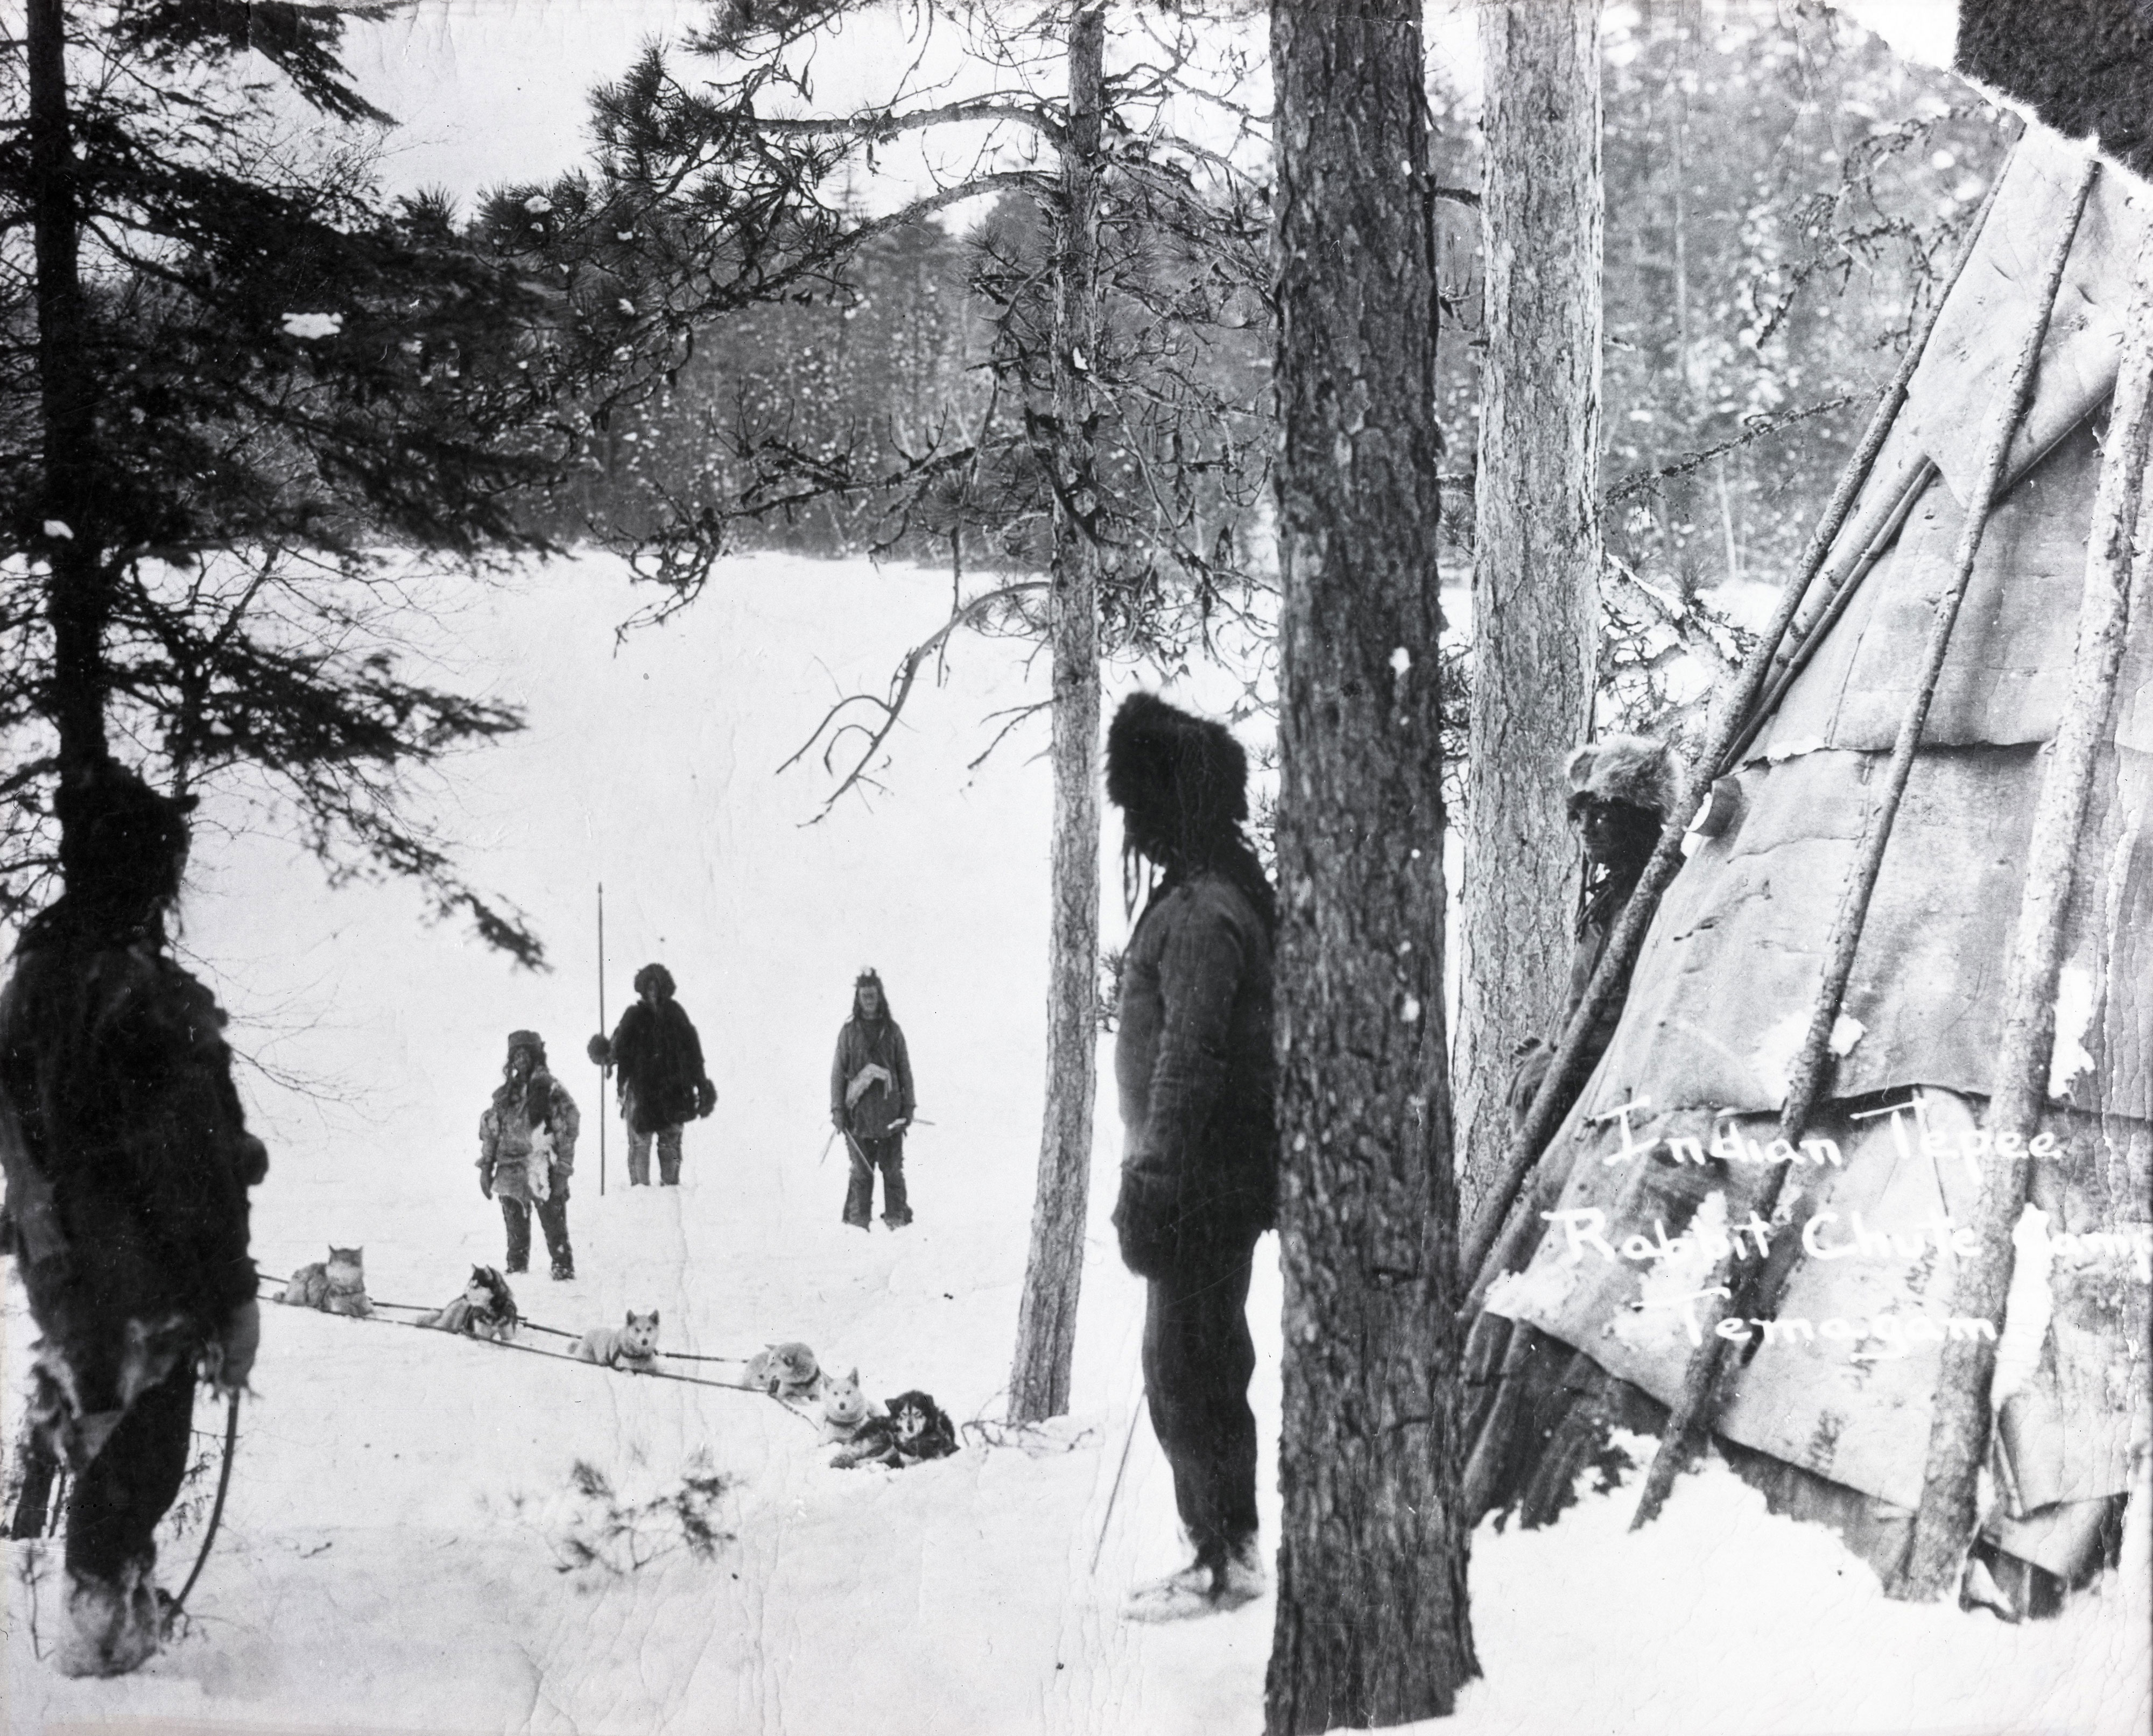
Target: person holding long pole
point(663, 1084)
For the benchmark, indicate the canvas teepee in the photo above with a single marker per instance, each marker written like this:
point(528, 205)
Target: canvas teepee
point(1791, 1231)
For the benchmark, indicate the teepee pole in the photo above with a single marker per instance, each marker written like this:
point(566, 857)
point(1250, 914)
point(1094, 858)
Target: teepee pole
point(1496, 1239)
point(1738, 1280)
point(1959, 1418)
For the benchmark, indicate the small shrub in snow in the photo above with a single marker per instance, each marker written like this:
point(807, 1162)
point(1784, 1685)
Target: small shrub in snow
point(608, 1531)
point(197, 1493)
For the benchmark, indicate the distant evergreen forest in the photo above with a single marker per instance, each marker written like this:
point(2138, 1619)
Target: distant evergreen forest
point(1782, 194)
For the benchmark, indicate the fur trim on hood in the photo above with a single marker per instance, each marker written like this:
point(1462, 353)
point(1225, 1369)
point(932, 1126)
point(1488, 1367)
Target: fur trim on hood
point(1180, 781)
point(1633, 768)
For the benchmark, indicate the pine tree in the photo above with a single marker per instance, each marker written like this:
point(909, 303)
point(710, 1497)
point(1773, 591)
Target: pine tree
point(253, 414)
point(1372, 1625)
point(1536, 543)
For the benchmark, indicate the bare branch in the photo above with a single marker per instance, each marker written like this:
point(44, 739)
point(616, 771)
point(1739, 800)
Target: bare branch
point(900, 690)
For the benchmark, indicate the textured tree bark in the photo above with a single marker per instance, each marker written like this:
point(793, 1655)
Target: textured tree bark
point(1372, 1626)
point(1536, 547)
point(1046, 1315)
point(80, 600)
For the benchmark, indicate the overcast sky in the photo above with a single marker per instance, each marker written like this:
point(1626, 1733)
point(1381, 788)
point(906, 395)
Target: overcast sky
point(495, 90)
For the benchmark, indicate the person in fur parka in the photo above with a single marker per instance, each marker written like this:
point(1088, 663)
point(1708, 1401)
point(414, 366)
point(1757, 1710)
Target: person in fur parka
point(1621, 792)
point(529, 1109)
point(128, 1164)
point(1199, 1173)
point(663, 1082)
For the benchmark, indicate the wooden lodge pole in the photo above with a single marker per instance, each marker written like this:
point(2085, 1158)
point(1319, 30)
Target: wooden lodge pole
point(1959, 1418)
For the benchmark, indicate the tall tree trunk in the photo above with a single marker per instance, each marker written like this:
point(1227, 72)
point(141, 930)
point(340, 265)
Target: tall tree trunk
point(1046, 1317)
point(80, 602)
point(1372, 1625)
point(1536, 546)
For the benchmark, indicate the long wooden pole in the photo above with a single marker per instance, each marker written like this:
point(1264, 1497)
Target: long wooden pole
point(1737, 1280)
point(1486, 1249)
point(1959, 1419)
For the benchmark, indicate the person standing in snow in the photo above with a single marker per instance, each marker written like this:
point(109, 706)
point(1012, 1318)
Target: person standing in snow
point(1199, 1170)
point(1621, 790)
point(871, 1104)
point(128, 1164)
point(663, 1082)
point(530, 1109)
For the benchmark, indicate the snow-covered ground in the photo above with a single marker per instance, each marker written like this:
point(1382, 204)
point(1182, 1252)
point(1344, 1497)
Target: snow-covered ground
point(392, 1555)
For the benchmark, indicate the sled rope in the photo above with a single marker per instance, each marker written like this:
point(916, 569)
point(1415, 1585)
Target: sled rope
point(1959, 1424)
point(523, 1324)
point(1497, 1241)
point(216, 1511)
point(1737, 1283)
point(722, 1386)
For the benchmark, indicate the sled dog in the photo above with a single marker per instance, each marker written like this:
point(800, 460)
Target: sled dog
point(633, 1346)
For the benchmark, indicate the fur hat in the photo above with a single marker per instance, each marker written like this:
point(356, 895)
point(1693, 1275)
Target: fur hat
point(1178, 780)
point(656, 976)
point(1633, 768)
point(120, 841)
point(526, 1039)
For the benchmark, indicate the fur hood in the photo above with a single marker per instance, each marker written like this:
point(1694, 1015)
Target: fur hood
point(1178, 780)
point(1632, 768)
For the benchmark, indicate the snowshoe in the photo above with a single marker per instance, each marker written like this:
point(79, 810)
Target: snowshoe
point(1241, 1581)
point(1177, 1597)
point(115, 1626)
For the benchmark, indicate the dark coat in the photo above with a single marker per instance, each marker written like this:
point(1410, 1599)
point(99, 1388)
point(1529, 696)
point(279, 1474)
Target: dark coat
point(660, 1058)
point(860, 1042)
point(128, 1164)
point(1193, 1059)
point(1595, 927)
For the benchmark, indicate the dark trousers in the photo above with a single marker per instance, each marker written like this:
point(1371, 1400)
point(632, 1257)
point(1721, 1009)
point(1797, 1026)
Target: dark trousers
point(112, 1520)
point(552, 1219)
point(667, 1138)
point(1197, 1357)
point(868, 1155)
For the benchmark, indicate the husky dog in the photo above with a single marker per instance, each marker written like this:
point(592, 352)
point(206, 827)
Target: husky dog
point(916, 1428)
point(634, 1346)
point(921, 1429)
point(844, 1411)
point(335, 1286)
point(485, 1310)
point(784, 1371)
